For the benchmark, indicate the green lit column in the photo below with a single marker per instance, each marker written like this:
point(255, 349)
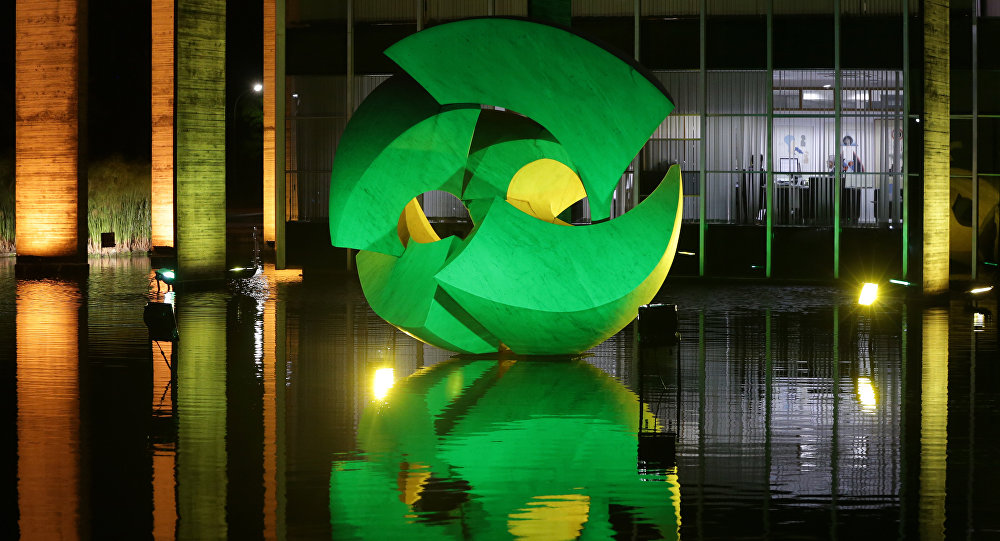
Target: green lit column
point(201, 416)
point(937, 148)
point(200, 140)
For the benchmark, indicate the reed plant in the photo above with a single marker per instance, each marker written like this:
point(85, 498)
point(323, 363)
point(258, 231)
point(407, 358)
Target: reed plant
point(7, 201)
point(118, 200)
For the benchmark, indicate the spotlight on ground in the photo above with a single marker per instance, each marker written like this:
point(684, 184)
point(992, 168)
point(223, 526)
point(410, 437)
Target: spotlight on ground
point(383, 381)
point(869, 292)
point(166, 276)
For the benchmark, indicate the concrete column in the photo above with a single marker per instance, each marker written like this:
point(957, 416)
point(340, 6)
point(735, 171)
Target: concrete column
point(937, 147)
point(200, 139)
point(280, 198)
point(269, 97)
point(50, 154)
point(162, 106)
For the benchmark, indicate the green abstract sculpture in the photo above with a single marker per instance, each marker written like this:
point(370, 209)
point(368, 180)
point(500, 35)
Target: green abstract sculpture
point(497, 449)
point(523, 279)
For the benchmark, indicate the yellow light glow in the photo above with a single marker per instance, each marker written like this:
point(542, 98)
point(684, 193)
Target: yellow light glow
point(869, 292)
point(383, 381)
point(979, 290)
point(866, 393)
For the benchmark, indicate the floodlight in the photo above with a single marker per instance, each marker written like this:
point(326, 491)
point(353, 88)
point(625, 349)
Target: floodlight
point(869, 292)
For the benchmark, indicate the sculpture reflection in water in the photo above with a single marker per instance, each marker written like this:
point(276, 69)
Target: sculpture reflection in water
point(534, 448)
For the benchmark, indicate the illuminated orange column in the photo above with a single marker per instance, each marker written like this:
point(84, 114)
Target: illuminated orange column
point(269, 117)
point(49, 185)
point(48, 409)
point(163, 122)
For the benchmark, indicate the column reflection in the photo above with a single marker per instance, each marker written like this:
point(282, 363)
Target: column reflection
point(201, 416)
point(48, 409)
point(933, 423)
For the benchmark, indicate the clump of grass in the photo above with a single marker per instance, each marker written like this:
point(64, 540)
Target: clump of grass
point(118, 200)
point(7, 201)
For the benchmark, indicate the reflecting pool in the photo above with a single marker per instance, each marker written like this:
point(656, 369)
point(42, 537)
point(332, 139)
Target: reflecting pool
point(288, 410)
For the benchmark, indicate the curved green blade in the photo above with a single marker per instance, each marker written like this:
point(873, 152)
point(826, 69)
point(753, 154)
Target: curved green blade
point(399, 144)
point(402, 291)
point(549, 289)
point(601, 108)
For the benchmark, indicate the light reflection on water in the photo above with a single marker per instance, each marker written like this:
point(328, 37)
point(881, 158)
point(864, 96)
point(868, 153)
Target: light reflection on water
point(797, 413)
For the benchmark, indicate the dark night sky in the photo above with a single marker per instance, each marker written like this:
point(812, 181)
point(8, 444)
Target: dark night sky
point(7, 77)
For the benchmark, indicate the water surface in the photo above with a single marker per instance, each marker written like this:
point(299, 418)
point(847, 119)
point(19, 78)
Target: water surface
point(288, 410)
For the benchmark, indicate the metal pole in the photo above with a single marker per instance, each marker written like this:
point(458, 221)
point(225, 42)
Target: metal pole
point(636, 13)
point(975, 139)
point(769, 143)
point(905, 181)
point(837, 111)
point(702, 150)
point(349, 108)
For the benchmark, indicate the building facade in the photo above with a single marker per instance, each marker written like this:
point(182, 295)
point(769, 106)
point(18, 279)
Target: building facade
point(799, 127)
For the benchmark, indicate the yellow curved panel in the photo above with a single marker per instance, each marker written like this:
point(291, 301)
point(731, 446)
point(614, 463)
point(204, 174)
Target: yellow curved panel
point(544, 188)
point(413, 224)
